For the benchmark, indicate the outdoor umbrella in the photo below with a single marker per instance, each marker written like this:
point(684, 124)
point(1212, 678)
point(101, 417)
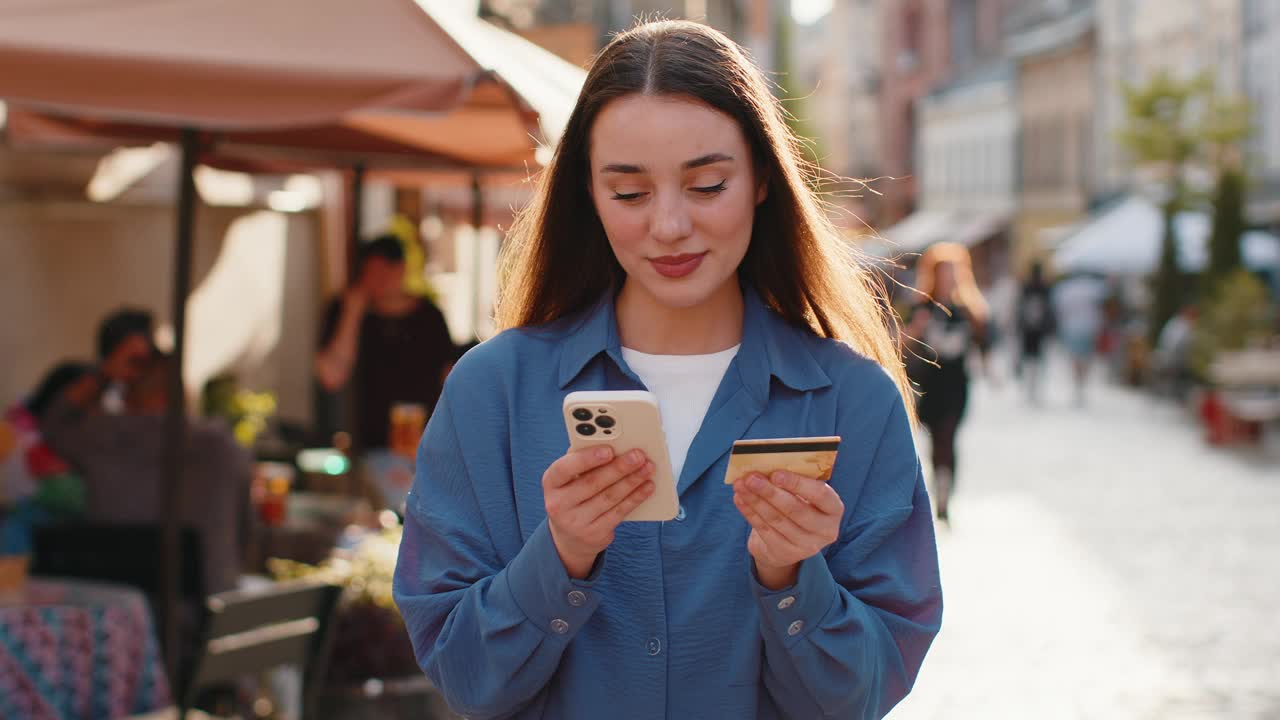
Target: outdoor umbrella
point(1124, 239)
point(331, 80)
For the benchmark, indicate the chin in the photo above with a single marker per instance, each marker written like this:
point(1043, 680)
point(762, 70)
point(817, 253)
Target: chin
point(683, 293)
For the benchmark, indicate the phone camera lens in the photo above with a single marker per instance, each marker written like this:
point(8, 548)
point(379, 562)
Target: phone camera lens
point(605, 421)
point(582, 414)
point(586, 429)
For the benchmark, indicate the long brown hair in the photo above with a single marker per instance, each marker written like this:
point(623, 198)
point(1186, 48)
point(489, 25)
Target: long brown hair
point(966, 293)
point(557, 260)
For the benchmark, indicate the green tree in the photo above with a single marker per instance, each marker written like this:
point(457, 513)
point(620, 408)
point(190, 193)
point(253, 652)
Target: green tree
point(1225, 129)
point(1173, 123)
point(1164, 133)
point(1228, 224)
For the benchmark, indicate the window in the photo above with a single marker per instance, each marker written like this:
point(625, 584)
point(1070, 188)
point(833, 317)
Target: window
point(908, 59)
point(964, 33)
point(913, 31)
point(1254, 16)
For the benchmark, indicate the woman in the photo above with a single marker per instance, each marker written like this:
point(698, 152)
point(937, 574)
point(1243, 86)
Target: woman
point(673, 244)
point(951, 322)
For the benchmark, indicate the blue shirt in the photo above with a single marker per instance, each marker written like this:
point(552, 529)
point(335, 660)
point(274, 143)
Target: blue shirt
point(672, 622)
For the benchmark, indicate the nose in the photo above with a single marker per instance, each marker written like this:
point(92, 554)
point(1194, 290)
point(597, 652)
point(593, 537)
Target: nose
point(670, 222)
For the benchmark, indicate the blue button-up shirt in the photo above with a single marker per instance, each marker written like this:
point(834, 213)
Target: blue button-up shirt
point(672, 622)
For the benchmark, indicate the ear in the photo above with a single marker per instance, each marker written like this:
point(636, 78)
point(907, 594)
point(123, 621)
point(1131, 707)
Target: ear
point(762, 189)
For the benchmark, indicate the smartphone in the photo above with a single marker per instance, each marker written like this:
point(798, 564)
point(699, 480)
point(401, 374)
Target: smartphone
point(625, 420)
point(809, 456)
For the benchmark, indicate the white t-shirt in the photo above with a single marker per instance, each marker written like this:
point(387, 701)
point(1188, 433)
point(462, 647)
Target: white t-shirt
point(685, 386)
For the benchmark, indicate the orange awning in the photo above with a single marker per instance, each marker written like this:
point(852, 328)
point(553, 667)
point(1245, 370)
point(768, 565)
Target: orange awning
point(327, 82)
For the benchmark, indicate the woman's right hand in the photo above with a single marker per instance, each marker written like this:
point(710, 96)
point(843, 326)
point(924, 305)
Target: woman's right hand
point(588, 492)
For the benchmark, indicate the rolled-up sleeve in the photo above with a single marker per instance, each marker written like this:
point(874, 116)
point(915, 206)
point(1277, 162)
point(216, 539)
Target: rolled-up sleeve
point(488, 632)
point(847, 640)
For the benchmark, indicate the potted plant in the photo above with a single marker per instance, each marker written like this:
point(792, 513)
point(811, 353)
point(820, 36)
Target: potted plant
point(1236, 316)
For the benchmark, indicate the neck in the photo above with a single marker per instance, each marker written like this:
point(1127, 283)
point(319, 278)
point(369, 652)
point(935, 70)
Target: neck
point(395, 304)
point(646, 325)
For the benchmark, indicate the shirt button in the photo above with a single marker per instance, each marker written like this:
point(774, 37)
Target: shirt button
point(795, 628)
point(680, 514)
point(577, 598)
point(561, 627)
point(654, 646)
point(786, 602)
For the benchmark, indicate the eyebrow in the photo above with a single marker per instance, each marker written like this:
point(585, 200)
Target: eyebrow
point(703, 161)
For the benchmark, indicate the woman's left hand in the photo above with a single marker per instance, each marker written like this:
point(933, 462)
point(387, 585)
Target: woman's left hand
point(792, 518)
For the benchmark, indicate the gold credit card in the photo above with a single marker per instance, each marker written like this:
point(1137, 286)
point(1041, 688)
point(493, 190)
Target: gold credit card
point(809, 456)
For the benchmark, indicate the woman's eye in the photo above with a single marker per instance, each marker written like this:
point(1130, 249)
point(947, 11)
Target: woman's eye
point(627, 196)
point(710, 189)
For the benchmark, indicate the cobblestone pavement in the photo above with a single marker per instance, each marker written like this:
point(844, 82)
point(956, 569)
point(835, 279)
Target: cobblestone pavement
point(1103, 562)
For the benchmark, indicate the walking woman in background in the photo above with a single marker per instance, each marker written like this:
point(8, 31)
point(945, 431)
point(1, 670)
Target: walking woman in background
point(673, 244)
point(951, 322)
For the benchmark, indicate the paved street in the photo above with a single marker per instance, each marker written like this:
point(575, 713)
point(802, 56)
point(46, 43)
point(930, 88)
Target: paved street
point(1105, 563)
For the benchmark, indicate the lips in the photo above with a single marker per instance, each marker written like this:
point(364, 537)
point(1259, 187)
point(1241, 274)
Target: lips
point(675, 266)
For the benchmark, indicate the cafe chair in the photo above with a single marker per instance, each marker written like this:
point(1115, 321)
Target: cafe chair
point(249, 632)
point(123, 554)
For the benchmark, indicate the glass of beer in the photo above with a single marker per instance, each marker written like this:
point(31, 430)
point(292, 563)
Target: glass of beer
point(270, 491)
point(407, 423)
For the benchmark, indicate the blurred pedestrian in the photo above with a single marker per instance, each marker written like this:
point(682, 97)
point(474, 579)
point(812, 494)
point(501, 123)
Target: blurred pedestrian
point(952, 324)
point(394, 347)
point(1078, 304)
point(1173, 352)
point(673, 245)
point(1035, 326)
point(37, 487)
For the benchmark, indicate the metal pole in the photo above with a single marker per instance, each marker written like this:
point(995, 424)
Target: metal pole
point(477, 254)
point(357, 218)
point(175, 431)
point(351, 394)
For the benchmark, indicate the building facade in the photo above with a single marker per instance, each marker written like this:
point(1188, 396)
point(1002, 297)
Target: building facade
point(1053, 45)
point(1262, 84)
point(837, 61)
point(914, 58)
point(968, 144)
point(1136, 39)
point(733, 17)
point(925, 44)
point(968, 165)
point(846, 107)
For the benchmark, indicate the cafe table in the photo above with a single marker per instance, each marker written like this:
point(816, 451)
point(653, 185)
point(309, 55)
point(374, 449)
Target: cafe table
point(78, 650)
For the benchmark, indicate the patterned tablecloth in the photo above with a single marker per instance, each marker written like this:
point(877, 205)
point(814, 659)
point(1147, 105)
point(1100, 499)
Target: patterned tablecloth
point(77, 650)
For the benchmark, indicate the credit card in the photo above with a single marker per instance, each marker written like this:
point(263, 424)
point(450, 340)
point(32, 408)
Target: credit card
point(809, 456)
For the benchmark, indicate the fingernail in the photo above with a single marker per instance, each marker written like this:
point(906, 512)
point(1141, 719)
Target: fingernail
point(634, 457)
point(777, 478)
point(755, 482)
point(603, 453)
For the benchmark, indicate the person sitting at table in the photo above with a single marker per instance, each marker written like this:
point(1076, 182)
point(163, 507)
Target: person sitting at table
point(124, 345)
point(121, 460)
point(394, 345)
point(36, 486)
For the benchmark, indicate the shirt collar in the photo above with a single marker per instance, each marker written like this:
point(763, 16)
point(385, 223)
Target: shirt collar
point(771, 347)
